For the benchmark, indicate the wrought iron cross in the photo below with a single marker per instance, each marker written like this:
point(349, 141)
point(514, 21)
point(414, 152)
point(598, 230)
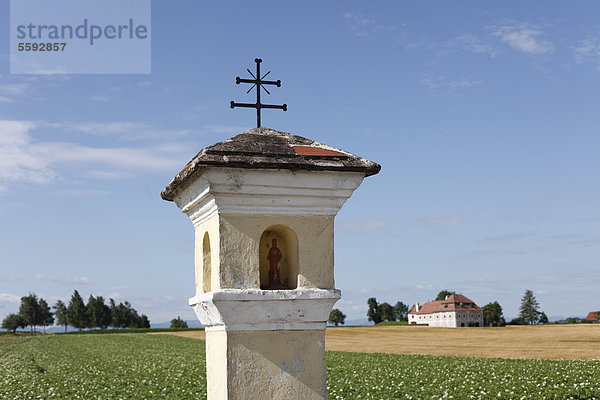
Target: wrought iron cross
point(258, 82)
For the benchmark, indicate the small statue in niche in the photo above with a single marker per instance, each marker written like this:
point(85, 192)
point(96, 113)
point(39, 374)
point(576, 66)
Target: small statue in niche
point(274, 258)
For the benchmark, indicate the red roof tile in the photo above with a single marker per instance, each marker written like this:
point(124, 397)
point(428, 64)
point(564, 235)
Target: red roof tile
point(316, 151)
point(593, 316)
point(455, 302)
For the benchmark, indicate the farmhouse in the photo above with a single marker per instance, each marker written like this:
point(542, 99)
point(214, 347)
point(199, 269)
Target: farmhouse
point(453, 312)
point(593, 316)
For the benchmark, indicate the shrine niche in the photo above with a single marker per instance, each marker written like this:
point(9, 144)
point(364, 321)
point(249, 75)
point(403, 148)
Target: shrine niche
point(206, 263)
point(278, 253)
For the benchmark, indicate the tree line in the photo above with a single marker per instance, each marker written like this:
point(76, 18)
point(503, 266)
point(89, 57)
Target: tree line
point(34, 312)
point(386, 312)
point(529, 311)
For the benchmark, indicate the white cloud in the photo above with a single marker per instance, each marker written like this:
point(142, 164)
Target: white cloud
point(79, 192)
point(524, 39)
point(350, 306)
point(18, 161)
point(359, 22)
point(68, 280)
point(103, 98)
point(124, 130)
point(101, 128)
point(10, 91)
point(14, 88)
point(10, 298)
point(587, 50)
point(41, 277)
point(24, 159)
point(82, 280)
point(474, 44)
point(442, 86)
point(463, 83)
point(431, 82)
point(363, 26)
point(158, 301)
point(374, 224)
point(440, 221)
point(512, 237)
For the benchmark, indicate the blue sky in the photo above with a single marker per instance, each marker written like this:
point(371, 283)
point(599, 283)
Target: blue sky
point(483, 116)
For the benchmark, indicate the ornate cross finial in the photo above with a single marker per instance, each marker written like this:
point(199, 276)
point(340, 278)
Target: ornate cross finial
point(258, 82)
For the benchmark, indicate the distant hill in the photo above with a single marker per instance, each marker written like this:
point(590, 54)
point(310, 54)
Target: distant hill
point(192, 323)
point(358, 322)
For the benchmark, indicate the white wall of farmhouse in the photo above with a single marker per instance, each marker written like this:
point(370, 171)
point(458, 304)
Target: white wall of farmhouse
point(448, 319)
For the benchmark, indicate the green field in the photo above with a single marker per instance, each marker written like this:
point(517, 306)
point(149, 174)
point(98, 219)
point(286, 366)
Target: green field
point(139, 366)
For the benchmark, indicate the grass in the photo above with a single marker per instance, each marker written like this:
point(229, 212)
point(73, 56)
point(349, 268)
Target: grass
point(393, 323)
point(8, 336)
point(390, 376)
point(118, 366)
point(129, 330)
point(139, 366)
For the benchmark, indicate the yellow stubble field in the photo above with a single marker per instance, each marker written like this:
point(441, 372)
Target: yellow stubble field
point(571, 342)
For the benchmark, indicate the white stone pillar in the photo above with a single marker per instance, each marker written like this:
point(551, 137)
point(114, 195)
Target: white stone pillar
point(246, 195)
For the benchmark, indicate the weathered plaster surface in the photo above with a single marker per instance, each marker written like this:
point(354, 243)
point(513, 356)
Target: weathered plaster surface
point(266, 192)
point(239, 249)
point(255, 309)
point(216, 364)
point(276, 365)
point(210, 225)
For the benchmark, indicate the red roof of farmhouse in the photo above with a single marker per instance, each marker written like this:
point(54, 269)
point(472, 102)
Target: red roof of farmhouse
point(593, 316)
point(455, 302)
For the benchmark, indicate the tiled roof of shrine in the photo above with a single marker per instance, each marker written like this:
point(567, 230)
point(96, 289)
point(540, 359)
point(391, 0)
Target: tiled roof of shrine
point(264, 148)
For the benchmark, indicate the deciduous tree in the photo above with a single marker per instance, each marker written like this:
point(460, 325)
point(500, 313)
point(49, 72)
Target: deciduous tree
point(374, 311)
point(492, 314)
point(99, 315)
point(125, 316)
point(178, 323)
point(60, 312)
point(12, 322)
point(30, 311)
point(401, 311)
point(337, 317)
point(387, 312)
point(543, 318)
point(442, 295)
point(46, 317)
point(144, 322)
